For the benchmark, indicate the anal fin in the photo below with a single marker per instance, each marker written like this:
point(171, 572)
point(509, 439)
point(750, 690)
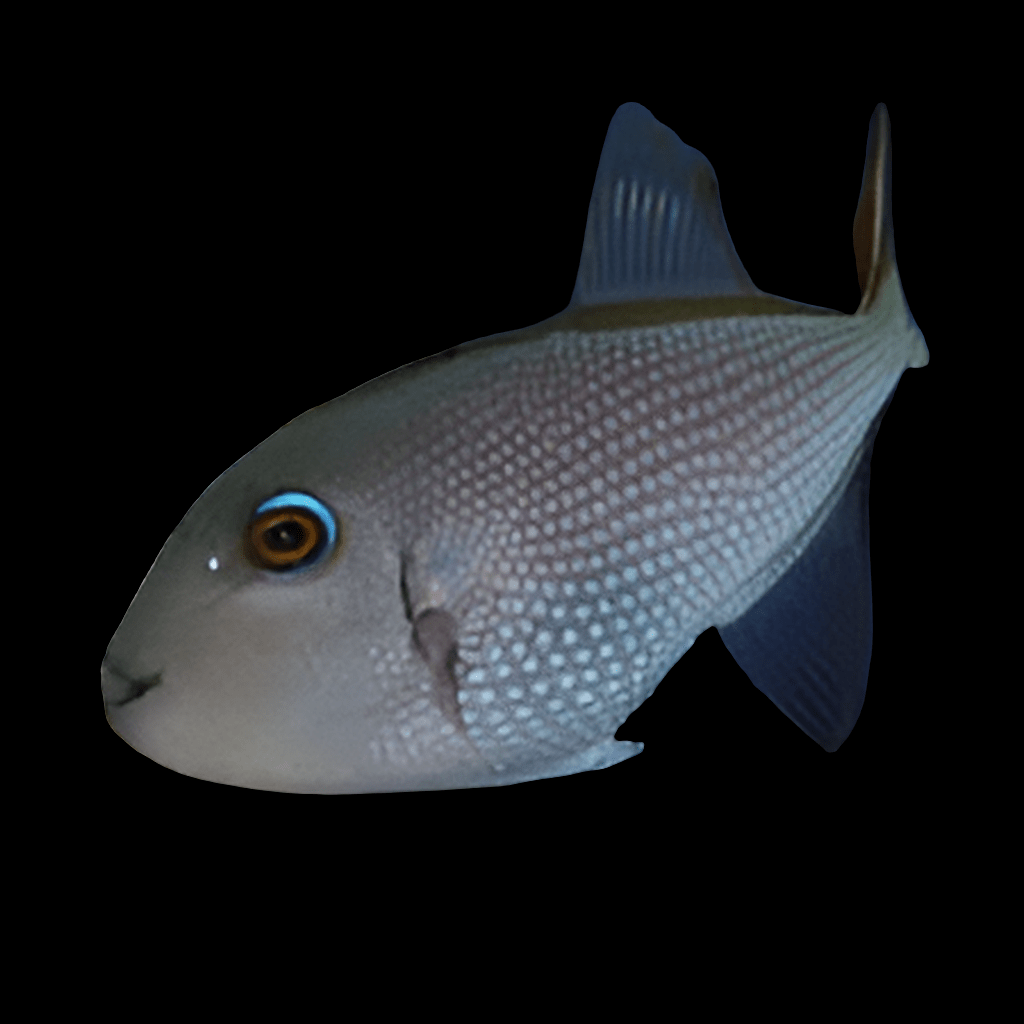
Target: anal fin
point(806, 644)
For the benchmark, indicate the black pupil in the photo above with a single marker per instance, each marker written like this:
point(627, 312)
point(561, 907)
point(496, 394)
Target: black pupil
point(285, 536)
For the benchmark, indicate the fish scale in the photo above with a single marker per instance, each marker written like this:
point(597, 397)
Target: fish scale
point(470, 571)
point(599, 556)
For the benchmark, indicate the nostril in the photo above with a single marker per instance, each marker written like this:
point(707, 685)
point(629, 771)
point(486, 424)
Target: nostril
point(119, 688)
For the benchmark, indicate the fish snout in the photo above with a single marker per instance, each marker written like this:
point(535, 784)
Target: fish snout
point(120, 687)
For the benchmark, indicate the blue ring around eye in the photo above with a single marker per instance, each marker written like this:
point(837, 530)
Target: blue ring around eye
point(296, 499)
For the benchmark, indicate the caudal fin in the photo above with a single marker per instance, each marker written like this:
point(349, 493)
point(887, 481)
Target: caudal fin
point(872, 224)
point(873, 244)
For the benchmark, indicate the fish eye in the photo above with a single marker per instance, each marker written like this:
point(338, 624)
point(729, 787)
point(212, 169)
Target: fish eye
point(290, 531)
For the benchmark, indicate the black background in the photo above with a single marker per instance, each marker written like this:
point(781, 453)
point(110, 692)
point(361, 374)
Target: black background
point(277, 239)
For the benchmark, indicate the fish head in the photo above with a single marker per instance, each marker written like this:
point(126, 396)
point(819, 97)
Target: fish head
point(241, 664)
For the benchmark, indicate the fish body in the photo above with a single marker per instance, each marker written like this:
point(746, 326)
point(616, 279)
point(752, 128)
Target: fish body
point(470, 571)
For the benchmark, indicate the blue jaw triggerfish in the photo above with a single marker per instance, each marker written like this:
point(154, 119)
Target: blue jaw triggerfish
point(470, 571)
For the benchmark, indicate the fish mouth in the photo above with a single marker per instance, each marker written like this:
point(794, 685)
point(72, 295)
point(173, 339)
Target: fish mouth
point(120, 687)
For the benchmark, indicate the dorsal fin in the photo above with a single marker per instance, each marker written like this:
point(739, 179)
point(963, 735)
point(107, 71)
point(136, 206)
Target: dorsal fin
point(655, 227)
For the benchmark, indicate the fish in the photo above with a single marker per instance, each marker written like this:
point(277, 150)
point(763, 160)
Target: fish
point(468, 572)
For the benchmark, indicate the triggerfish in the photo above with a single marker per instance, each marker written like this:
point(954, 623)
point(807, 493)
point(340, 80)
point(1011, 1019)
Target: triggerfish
point(471, 570)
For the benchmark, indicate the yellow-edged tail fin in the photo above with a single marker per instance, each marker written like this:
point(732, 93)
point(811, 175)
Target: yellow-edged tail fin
point(873, 244)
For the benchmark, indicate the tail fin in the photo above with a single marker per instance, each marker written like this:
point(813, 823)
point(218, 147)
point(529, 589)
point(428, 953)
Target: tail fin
point(873, 244)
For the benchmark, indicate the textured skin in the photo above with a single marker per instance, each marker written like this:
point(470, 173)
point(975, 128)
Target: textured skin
point(599, 500)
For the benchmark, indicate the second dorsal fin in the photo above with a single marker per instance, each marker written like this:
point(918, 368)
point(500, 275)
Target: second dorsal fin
point(655, 227)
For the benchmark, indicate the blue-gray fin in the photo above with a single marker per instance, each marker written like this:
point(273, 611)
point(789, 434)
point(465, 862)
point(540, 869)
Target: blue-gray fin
point(806, 644)
point(655, 227)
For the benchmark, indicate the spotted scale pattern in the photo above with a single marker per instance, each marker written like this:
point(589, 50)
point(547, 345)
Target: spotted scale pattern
point(602, 498)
